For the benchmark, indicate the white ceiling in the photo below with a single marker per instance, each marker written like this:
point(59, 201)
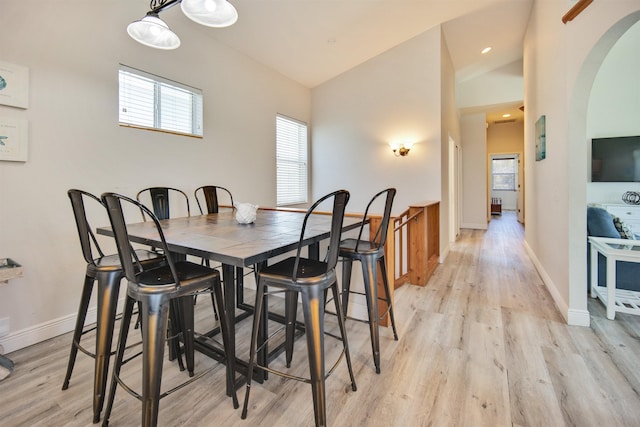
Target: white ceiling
point(312, 41)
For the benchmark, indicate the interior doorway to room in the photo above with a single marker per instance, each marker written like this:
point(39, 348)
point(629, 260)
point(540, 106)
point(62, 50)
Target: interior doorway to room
point(506, 179)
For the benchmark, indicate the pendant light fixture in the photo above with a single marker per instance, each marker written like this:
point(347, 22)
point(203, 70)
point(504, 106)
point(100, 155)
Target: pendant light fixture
point(211, 13)
point(154, 32)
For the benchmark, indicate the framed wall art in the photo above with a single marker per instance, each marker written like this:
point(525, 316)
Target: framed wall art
point(13, 140)
point(541, 139)
point(14, 85)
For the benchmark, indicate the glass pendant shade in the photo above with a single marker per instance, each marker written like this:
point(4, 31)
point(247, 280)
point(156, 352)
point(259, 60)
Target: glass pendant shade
point(211, 13)
point(153, 32)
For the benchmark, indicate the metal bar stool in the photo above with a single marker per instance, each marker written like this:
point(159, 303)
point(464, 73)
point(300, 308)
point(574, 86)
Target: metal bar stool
point(107, 271)
point(211, 198)
point(154, 289)
point(370, 253)
point(160, 200)
point(311, 279)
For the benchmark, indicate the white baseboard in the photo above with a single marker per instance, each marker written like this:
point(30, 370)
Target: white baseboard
point(44, 331)
point(474, 226)
point(444, 254)
point(55, 327)
point(579, 318)
point(571, 316)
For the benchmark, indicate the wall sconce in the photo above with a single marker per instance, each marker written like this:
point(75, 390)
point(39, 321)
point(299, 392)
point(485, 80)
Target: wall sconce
point(401, 149)
point(154, 32)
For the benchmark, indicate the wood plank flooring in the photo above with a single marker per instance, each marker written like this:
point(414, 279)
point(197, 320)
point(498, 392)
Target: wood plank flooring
point(481, 345)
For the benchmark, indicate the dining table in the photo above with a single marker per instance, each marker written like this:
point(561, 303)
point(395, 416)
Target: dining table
point(219, 237)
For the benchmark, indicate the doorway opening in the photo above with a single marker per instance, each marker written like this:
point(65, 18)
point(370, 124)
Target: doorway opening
point(505, 180)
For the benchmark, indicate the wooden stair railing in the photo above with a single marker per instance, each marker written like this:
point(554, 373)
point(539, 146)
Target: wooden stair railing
point(412, 251)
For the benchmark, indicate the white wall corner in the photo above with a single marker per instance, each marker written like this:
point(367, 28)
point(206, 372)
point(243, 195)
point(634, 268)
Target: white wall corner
point(444, 254)
point(561, 304)
point(578, 317)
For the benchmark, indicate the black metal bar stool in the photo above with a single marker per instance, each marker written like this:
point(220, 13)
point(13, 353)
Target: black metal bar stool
point(160, 197)
point(212, 195)
point(107, 271)
point(311, 279)
point(211, 198)
point(370, 253)
point(154, 289)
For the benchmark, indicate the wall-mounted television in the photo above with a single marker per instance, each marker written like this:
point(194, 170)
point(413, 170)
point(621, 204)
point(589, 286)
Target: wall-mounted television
point(615, 159)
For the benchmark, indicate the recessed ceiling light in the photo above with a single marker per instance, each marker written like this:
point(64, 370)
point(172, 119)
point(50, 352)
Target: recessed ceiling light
point(486, 49)
point(506, 115)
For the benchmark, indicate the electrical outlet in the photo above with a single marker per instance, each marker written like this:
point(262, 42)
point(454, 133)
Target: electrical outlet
point(4, 326)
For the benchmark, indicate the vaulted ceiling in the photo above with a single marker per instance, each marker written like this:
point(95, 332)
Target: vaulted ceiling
point(312, 41)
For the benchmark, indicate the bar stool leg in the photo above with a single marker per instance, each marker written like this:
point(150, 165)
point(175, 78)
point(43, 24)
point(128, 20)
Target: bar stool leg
point(175, 327)
point(371, 292)
point(346, 284)
point(108, 290)
point(187, 323)
point(87, 288)
point(343, 334)
point(155, 320)
point(385, 281)
point(291, 307)
point(313, 309)
point(226, 338)
point(254, 342)
point(122, 344)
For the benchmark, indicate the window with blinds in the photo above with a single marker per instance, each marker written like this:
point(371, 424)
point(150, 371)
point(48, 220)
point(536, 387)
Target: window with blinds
point(151, 102)
point(291, 161)
point(504, 173)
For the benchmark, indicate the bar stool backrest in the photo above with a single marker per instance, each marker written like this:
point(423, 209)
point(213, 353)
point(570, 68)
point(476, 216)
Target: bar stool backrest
point(210, 194)
point(340, 199)
point(380, 237)
point(160, 200)
point(128, 258)
point(88, 240)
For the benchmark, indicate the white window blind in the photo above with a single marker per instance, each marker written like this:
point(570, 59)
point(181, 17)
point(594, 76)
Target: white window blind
point(291, 161)
point(504, 172)
point(153, 102)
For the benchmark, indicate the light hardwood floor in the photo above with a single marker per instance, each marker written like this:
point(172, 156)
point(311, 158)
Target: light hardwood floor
point(481, 345)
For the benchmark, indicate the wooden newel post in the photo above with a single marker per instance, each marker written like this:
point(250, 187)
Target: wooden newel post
point(424, 242)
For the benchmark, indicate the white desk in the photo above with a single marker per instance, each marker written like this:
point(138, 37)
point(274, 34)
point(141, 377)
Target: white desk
point(616, 300)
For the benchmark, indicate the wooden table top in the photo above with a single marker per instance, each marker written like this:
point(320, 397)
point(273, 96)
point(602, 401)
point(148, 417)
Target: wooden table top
point(219, 237)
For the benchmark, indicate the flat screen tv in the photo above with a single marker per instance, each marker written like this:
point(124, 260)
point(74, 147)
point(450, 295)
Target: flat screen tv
point(615, 159)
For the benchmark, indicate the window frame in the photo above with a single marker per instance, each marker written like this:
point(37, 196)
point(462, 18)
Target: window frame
point(514, 173)
point(195, 110)
point(298, 162)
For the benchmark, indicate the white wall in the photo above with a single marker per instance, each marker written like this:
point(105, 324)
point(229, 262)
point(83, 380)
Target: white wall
point(392, 97)
point(614, 107)
point(502, 85)
point(560, 64)
point(474, 171)
point(75, 140)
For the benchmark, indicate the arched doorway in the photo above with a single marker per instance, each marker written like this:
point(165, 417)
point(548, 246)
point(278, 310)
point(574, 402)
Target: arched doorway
point(578, 136)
